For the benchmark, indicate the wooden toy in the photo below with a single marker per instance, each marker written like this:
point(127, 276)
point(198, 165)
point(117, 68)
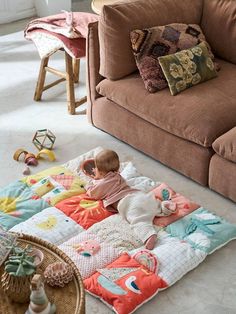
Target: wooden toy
point(46, 152)
point(26, 171)
point(44, 139)
point(31, 159)
point(39, 303)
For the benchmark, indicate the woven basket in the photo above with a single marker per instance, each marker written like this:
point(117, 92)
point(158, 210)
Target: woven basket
point(68, 300)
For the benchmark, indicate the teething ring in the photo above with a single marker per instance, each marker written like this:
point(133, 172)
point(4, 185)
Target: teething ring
point(18, 153)
point(88, 167)
point(48, 153)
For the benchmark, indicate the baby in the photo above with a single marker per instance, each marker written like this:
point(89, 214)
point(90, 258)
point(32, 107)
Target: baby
point(137, 207)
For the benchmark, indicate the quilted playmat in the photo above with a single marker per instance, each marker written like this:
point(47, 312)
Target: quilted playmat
point(113, 263)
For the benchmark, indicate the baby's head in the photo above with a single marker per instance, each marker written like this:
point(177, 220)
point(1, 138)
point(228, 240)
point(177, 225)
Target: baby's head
point(106, 161)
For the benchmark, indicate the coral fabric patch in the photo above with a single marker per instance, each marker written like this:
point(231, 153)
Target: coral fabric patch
point(184, 206)
point(84, 210)
point(124, 284)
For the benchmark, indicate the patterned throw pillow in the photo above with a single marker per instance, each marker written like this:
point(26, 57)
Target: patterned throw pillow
point(149, 44)
point(187, 68)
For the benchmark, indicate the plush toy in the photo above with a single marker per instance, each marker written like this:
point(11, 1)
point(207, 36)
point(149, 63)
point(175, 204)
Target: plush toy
point(87, 248)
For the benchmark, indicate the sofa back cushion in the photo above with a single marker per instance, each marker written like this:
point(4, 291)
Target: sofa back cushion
point(219, 26)
point(118, 20)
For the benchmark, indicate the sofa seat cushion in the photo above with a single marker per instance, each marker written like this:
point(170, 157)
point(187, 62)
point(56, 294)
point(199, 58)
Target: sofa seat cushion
point(225, 145)
point(200, 114)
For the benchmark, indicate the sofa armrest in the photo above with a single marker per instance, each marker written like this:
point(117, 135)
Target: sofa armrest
point(92, 66)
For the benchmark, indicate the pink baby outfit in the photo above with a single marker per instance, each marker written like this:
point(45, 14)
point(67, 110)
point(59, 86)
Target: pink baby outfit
point(110, 189)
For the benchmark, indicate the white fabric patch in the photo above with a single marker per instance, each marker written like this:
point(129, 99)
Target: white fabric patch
point(117, 232)
point(88, 265)
point(175, 257)
point(57, 186)
point(50, 224)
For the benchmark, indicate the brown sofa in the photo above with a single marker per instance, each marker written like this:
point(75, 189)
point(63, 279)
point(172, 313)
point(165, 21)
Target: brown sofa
point(180, 131)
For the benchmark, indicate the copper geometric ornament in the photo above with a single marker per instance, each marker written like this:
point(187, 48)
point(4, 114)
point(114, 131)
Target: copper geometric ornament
point(44, 139)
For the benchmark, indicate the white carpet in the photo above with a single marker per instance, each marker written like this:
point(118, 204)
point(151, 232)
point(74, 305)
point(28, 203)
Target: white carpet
point(210, 288)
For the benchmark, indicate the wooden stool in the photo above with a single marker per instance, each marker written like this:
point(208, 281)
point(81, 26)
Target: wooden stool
point(71, 76)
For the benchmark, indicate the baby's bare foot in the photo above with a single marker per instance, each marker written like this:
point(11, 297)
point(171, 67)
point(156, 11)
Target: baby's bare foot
point(150, 243)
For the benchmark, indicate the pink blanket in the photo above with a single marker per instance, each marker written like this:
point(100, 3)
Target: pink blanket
point(69, 28)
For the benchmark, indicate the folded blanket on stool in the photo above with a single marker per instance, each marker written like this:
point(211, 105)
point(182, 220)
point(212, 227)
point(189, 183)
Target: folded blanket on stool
point(66, 30)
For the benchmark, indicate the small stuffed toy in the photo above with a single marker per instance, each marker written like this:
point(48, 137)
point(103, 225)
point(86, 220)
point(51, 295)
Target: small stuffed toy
point(87, 248)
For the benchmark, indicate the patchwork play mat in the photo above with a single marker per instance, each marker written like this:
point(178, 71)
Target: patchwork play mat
point(115, 267)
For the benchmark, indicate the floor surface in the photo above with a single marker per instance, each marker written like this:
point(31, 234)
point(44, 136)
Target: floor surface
point(208, 289)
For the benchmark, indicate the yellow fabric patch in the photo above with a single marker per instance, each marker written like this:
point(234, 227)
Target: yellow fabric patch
point(48, 224)
point(45, 188)
point(89, 204)
point(65, 194)
point(30, 180)
point(77, 187)
point(8, 204)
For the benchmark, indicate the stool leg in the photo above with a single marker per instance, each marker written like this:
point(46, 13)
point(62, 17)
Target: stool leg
point(76, 69)
point(41, 79)
point(70, 84)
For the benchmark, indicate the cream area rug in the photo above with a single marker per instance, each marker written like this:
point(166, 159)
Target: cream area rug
point(210, 288)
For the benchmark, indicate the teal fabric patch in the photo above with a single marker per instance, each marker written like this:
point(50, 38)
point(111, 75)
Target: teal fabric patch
point(204, 230)
point(18, 203)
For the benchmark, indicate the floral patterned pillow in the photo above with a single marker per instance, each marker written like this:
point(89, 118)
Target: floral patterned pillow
point(149, 44)
point(187, 68)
